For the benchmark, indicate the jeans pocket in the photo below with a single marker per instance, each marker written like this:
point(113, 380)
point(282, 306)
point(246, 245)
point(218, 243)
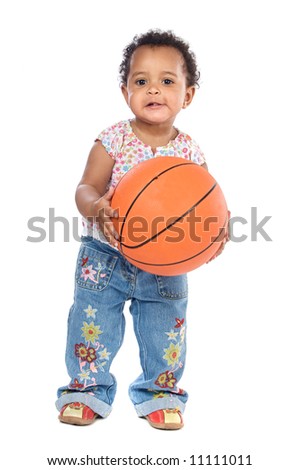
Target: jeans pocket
point(94, 268)
point(173, 287)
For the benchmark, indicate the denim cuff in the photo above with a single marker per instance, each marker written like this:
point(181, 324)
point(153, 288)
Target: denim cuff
point(98, 406)
point(149, 406)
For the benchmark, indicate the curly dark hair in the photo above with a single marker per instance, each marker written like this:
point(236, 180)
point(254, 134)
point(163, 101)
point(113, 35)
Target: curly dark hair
point(156, 37)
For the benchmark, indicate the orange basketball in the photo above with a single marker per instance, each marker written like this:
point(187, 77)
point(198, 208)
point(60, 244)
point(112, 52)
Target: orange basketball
point(172, 215)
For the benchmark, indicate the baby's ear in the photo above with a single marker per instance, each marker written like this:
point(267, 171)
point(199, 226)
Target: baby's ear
point(124, 92)
point(189, 95)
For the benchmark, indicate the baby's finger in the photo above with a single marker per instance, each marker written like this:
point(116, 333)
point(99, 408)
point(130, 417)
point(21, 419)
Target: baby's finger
point(111, 237)
point(228, 227)
point(110, 231)
point(109, 194)
point(110, 212)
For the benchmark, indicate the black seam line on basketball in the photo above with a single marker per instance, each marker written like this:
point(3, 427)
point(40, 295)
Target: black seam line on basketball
point(180, 261)
point(144, 188)
point(173, 223)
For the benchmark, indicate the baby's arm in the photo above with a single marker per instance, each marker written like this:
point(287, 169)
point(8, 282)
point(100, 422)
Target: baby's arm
point(92, 197)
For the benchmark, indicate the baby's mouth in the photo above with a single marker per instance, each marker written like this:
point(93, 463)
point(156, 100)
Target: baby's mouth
point(154, 105)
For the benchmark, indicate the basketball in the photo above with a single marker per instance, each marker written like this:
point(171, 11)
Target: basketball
point(172, 215)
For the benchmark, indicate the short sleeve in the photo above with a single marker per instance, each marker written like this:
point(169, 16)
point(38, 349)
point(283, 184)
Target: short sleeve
point(112, 140)
point(188, 148)
point(197, 156)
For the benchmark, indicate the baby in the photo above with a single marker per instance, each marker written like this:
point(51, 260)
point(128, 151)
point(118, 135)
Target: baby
point(158, 79)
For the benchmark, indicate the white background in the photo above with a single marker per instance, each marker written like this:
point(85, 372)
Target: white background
point(59, 88)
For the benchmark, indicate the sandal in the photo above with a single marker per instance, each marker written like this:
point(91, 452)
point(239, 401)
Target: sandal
point(77, 413)
point(170, 419)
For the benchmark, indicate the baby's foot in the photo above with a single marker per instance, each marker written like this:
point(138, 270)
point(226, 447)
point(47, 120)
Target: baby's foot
point(77, 413)
point(166, 419)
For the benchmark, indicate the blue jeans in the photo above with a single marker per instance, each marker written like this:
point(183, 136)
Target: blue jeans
point(104, 280)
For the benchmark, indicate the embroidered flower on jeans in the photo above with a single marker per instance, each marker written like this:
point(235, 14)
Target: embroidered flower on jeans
point(90, 311)
point(91, 355)
point(172, 334)
point(76, 384)
point(85, 374)
point(104, 354)
point(84, 261)
point(166, 380)
point(182, 334)
point(172, 354)
point(85, 354)
point(90, 331)
point(88, 273)
point(159, 395)
point(81, 351)
point(179, 322)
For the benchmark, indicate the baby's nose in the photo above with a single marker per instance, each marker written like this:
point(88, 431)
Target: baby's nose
point(153, 90)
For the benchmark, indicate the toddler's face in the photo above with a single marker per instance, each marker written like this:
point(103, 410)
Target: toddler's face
point(156, 88)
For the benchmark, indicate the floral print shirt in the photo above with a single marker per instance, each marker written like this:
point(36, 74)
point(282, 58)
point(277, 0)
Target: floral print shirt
point(125, 148)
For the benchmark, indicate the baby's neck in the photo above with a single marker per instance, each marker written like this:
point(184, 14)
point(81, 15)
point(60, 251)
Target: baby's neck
point(152, 135)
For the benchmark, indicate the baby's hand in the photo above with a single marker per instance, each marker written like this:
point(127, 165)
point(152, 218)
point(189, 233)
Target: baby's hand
point(104, 215)
point(224, 241)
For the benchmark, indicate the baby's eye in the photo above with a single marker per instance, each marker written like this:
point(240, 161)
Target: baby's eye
point(140, 82)
point(167, 81)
